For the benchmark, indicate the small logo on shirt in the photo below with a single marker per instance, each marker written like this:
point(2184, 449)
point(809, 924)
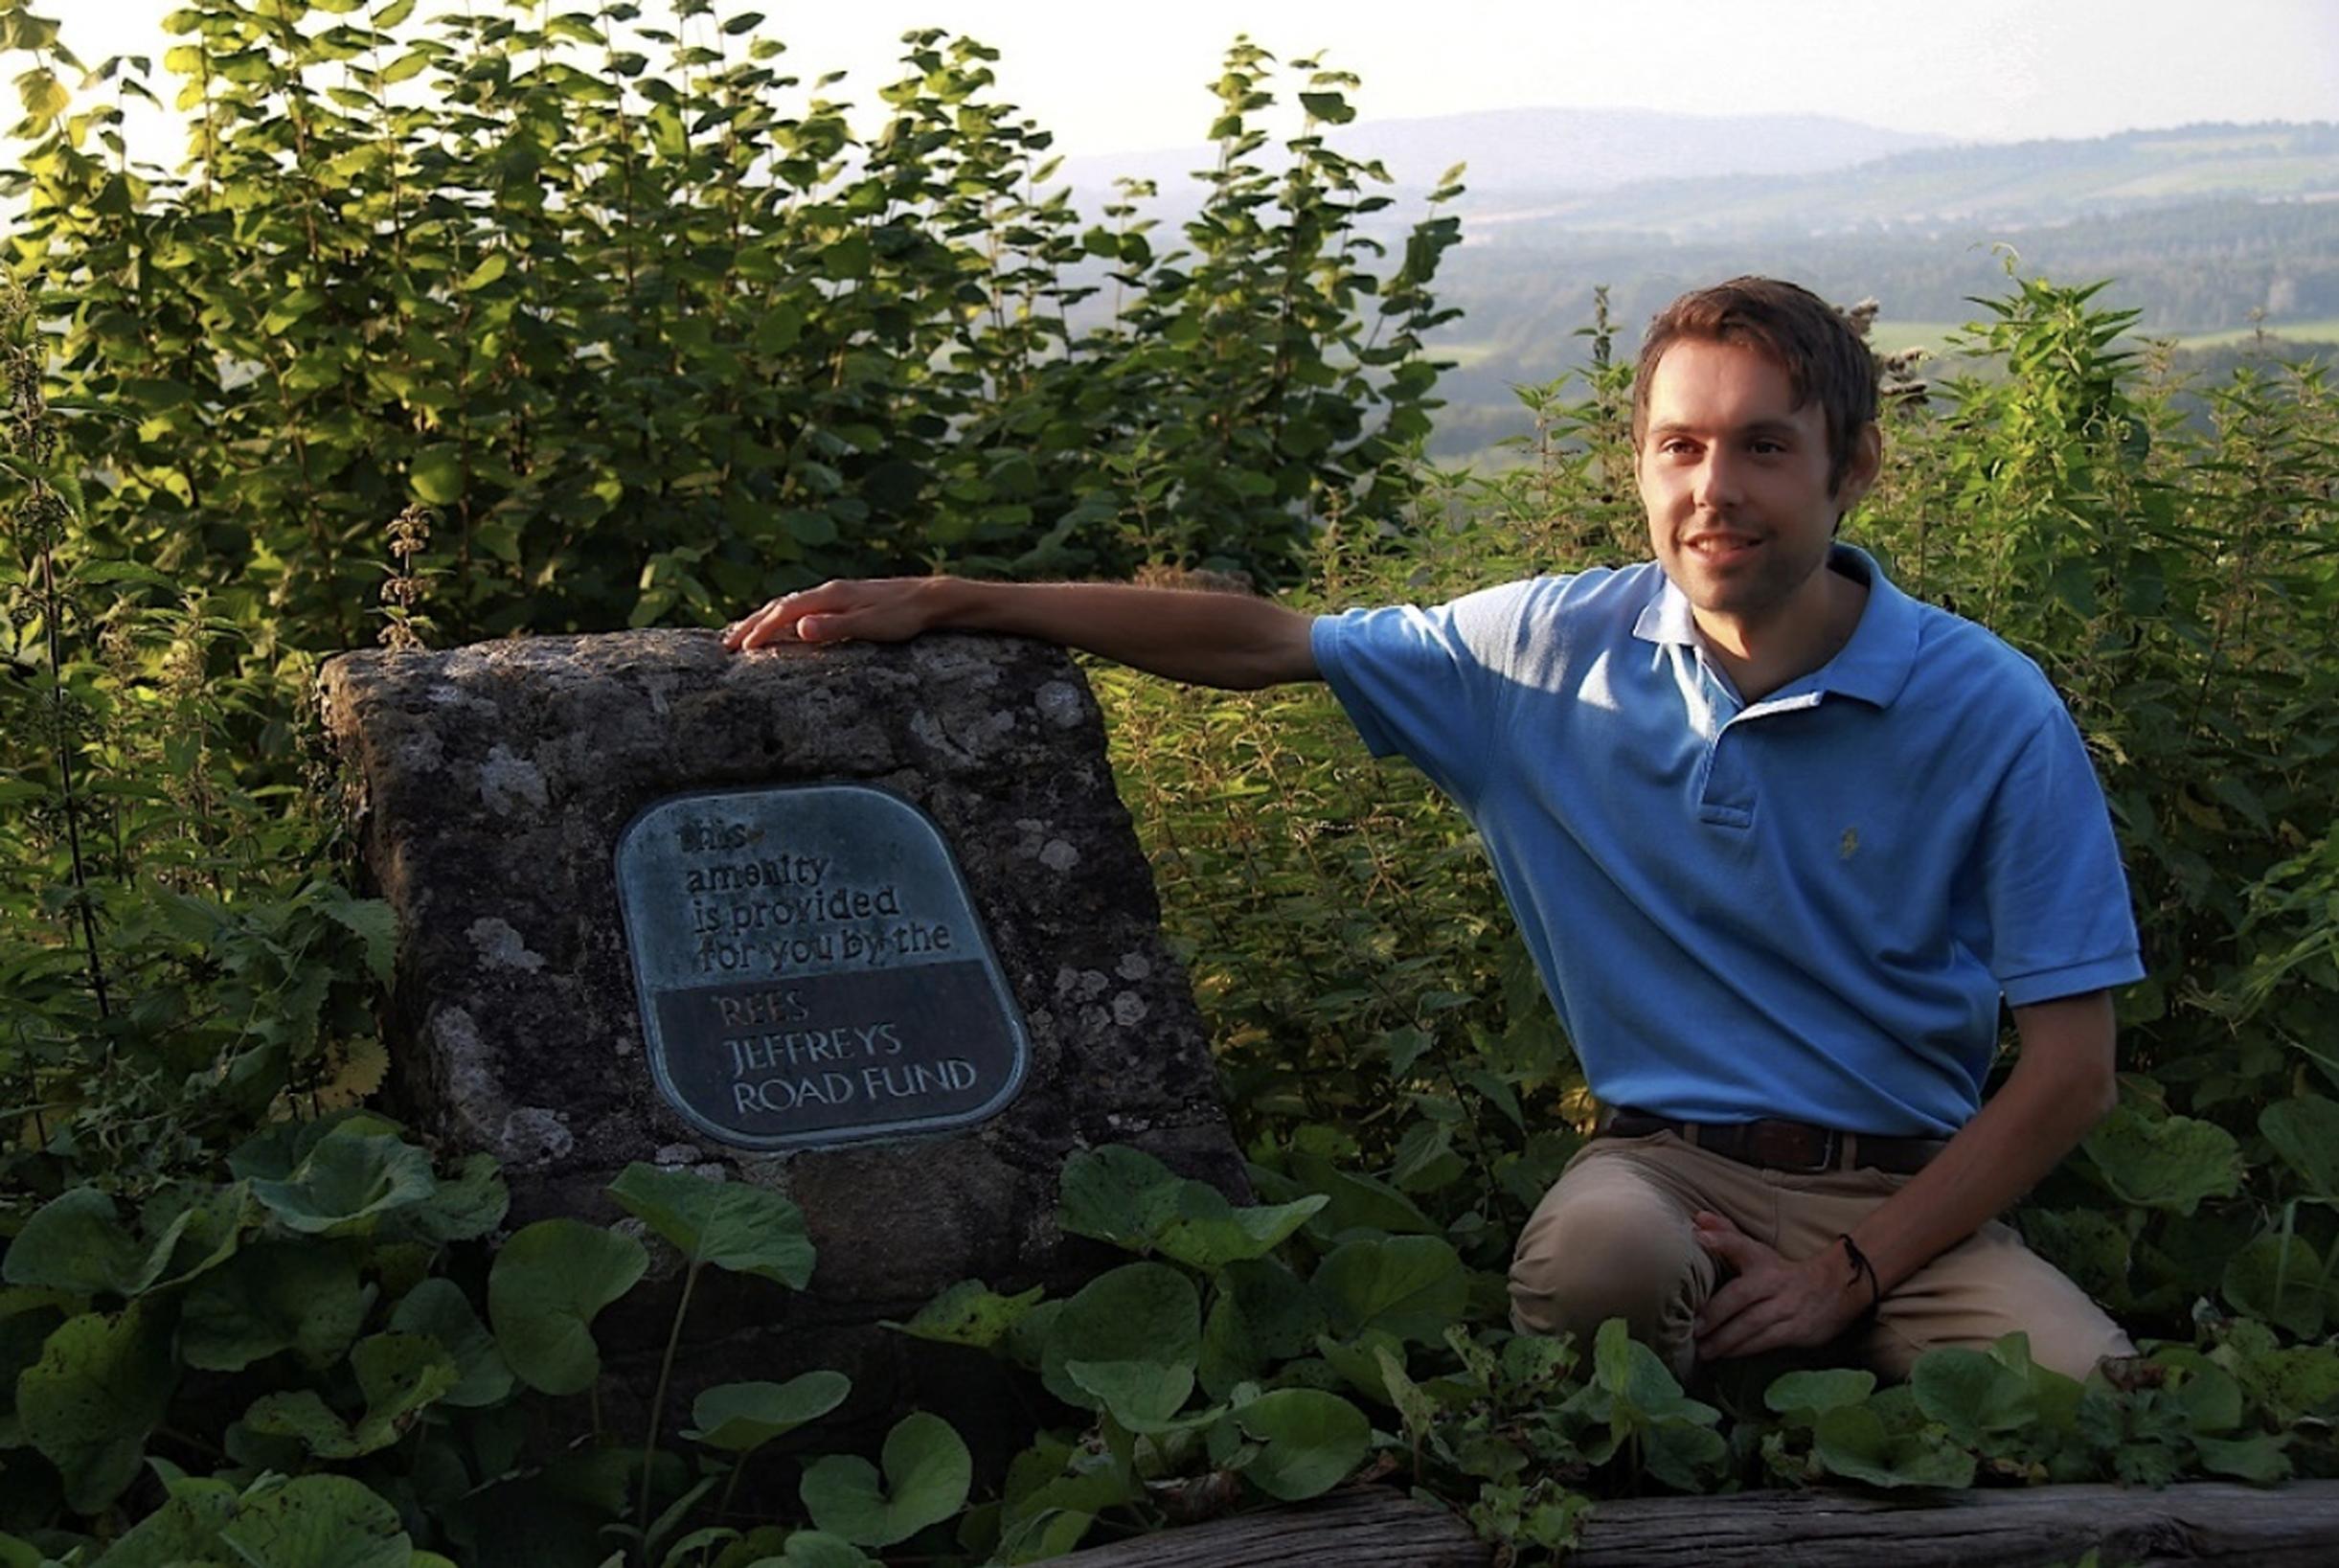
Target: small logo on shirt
point(1850, 845)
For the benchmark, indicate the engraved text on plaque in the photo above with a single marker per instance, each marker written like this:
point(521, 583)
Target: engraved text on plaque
point(810, 969)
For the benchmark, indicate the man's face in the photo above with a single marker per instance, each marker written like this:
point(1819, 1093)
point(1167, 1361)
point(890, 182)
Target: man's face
point(1735, 477)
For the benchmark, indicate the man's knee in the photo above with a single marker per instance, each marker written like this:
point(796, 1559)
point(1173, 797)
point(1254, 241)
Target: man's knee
point(2076, 1341)
point(1609, 1252)
point(1985, 1288)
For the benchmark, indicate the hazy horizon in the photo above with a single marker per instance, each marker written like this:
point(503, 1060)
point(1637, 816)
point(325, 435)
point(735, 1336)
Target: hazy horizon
point(1989, 71)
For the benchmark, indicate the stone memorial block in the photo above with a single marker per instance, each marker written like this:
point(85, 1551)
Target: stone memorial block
point(865, 924)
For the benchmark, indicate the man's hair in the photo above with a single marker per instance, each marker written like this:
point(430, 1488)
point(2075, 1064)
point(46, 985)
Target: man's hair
point(1792, 328)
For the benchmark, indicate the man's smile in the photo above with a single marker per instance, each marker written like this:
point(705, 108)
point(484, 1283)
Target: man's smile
point(1718, 547)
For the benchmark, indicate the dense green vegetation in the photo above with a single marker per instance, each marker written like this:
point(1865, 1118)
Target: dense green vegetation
point(531, 351)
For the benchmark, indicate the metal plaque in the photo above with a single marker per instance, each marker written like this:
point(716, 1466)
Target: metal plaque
point(810, 968)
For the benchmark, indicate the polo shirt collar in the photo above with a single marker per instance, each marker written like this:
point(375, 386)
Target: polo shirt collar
point(1873, 667)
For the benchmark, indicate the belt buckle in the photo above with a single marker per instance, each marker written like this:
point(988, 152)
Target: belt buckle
point(1830, 1150)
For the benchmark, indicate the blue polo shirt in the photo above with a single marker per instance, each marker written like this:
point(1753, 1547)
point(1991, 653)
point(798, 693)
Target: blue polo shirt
point(1808, 906)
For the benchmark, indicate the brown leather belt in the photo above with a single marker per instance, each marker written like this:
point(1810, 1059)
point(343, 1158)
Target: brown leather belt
point(1780, 1146)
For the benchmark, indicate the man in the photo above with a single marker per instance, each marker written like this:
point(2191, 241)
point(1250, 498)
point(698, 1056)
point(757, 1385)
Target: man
point(1781, 840)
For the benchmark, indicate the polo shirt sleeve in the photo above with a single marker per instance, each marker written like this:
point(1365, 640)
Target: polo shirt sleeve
point(2060, 922)
point(1424, 684)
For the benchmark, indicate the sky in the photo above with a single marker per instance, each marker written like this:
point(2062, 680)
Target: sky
point(1130, 79)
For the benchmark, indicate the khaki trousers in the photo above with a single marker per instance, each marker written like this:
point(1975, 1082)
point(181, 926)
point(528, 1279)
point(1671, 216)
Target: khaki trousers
point(1612, 1238)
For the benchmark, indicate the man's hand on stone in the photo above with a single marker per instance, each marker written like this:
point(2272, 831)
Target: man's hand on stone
point(875, 610)
point(1770, 1302)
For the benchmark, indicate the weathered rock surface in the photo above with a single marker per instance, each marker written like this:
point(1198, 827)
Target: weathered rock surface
point(490, 786)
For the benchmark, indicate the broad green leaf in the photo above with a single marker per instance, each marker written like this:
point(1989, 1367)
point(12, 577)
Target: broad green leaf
point(1415, 1408)
point(1972, 1394)
point(1411, 1286)
point(1126, 1197)
point(1358, 1203)
point(739, 1418)
point(544, 1290)
point(1145, 1397)
point(76, 1242)
point(2281, 1279)
point(272, 1296)
point(1049, 1532)
point(493, 267)
point(184, 1531)
point(2262, 1458)
point(346, 1182)
point(2299, 1380)
point(1684, 1455)
point(317, 1521)
point(436, 474)
point(1311, 1440)
point(2055, 1399)
point(2169, 1163)
point(2211, 1398)
point(302, 1415)
point(1116, 1194)
point(846, 259)
point(1206, 1232)
point(1851, 1441)
point(94, 571)
point(196, 1229)
point(465, 1207)
point(730, 1224)
point(1137, 1312)
point(1532, 1360)
point(1807, 1395)
point(439, 1309)
point(1261, 1314)
point(371, 922)
point(43, 96)
point(1360, 1362)
point(1329, 107)
point(103, 1382)
point(1632, 1374)
point(399, 1375)
point(818, 1549)
point(2305, 1131)
point(927, 1472)
point(1279, 1314)
point(970, 1313)
point(29, 1319)
point(276, 1150)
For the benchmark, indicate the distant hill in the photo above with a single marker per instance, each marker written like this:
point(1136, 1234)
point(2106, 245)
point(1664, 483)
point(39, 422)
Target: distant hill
point(2205, 228)
point(1537, 173)
point(1543, 150)
point(2017, 183)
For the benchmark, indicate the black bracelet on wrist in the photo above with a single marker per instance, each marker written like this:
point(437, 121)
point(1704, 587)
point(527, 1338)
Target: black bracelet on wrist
point(1860, 1265)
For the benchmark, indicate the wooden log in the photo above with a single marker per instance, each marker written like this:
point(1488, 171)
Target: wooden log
point(2208, 1522)
point(1370, 1527)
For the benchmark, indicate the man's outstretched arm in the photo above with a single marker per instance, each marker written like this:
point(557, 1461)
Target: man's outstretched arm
point(1209, 639)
